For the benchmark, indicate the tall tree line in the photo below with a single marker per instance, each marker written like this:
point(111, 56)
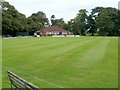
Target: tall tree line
point(13, 21)
point(101, 21)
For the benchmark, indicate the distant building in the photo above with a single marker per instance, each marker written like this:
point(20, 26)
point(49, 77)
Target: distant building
point(49, 31)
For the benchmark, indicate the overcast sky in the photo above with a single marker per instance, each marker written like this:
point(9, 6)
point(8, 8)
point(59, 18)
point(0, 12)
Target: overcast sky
point(66, 9)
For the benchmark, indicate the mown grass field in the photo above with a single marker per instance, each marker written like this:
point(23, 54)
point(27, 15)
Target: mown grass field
point(79, 62)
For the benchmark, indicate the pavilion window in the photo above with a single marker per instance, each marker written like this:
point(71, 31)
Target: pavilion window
point(48, 33)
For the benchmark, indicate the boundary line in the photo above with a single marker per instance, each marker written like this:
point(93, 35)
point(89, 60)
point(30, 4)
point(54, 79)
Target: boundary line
point(35, 77)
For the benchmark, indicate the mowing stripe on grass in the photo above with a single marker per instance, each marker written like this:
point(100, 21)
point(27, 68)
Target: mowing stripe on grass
point(85, 62)
point(34, 77)
point(80, 44)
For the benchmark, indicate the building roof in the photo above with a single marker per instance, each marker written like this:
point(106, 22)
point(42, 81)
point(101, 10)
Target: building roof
point(52, 28)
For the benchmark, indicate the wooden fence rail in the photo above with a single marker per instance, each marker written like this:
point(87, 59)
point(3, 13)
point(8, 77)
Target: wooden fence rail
point(20, 83)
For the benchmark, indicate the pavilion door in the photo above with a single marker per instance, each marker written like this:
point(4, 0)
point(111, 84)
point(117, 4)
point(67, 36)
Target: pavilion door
point(60, 33)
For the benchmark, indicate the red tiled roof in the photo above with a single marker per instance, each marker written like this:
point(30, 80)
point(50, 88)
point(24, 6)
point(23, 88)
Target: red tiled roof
point(52, 28)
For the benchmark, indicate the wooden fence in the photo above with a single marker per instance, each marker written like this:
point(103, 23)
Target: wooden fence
point(18, 83)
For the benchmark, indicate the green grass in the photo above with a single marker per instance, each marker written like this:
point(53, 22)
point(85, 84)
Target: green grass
point(84, 62)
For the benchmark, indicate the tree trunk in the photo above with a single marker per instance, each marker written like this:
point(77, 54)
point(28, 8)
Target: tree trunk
point(92, 34)
point(79, 31)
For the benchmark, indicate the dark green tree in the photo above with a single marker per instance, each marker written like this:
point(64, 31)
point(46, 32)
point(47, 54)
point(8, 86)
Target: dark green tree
point(107, 21)
point(57, 22)
point(12, 20)
point(91, 25)
point(37, 21)
point(79, 23)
